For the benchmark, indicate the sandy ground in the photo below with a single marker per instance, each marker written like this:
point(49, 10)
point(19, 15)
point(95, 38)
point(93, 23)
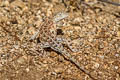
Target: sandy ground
point(93, 27)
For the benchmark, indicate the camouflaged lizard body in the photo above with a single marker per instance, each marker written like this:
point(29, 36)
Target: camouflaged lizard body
point(48, 37)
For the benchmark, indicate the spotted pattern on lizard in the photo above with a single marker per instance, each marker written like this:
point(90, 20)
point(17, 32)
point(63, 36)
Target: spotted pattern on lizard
point(47, 35)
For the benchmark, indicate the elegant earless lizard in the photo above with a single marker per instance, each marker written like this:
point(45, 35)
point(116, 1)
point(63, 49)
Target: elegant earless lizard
point(47, 35)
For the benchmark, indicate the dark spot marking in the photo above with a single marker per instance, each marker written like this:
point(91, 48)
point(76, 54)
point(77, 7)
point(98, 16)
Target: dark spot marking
point(60, 32)
point(38, 40)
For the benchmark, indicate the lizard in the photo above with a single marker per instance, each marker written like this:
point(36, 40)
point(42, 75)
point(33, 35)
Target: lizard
point(47, 34)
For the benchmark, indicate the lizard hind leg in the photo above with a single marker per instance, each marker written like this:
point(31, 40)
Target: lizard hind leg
point(39, 49)
point(68, 43)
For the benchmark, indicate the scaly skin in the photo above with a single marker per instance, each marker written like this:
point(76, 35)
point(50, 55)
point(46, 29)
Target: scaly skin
point(47, 35)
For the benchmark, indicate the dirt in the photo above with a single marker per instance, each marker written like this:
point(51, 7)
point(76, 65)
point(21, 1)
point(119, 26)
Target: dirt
point(94, 28)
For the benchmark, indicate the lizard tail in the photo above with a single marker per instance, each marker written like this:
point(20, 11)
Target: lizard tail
point(74, 61)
